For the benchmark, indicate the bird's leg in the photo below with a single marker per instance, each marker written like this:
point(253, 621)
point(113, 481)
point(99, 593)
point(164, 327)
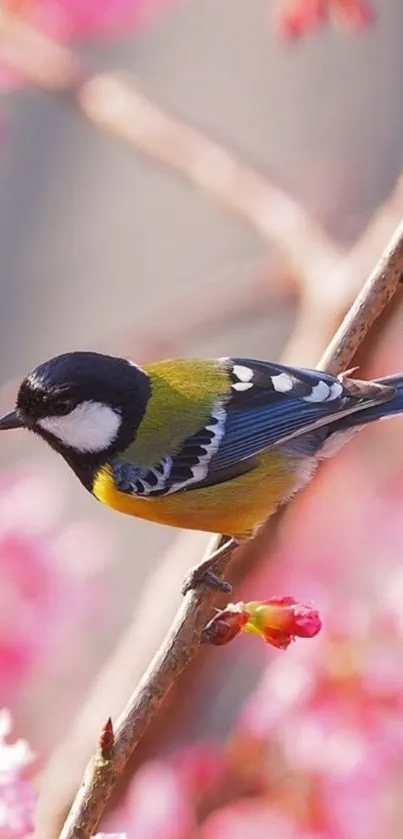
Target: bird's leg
point(205, 573)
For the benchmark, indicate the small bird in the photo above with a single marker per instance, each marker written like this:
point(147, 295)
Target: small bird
point(205, 444)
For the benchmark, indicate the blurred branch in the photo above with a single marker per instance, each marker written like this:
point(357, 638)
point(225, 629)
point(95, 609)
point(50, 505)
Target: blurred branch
point(117, 106)
point(377, 292)
point(182, 642)
point(114, 104)
point(323, 305)
point(255, 286)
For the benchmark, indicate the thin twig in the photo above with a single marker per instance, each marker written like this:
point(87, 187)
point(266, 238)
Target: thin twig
point(183, 639)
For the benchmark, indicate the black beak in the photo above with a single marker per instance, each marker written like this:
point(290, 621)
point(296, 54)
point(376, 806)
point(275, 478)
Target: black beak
point(11, 420)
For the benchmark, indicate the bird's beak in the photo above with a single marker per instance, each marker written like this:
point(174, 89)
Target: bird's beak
point(11, 420)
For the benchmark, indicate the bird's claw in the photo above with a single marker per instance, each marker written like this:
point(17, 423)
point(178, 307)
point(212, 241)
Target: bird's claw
point(208, 578)
point(205, 573)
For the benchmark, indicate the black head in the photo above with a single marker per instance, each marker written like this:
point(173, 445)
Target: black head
point(85, 405)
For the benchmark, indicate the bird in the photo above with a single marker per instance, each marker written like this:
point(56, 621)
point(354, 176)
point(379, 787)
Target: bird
point(205, 444)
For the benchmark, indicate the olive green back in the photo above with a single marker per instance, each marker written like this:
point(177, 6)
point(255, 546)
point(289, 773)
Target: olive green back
point(183, 393)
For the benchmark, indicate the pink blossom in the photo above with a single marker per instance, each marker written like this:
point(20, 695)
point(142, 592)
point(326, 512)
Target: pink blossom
point(17, 797)
point(359, 807)
point(68, 19)
point(295, 18)
point(155, 805)
point(248, 818)
point(278, 620)
point(200, 768)
point(40, 586)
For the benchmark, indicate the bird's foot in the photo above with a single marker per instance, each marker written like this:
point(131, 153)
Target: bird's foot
point(205, 573)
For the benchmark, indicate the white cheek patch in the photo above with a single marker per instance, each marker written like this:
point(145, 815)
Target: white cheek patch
point(90, 427)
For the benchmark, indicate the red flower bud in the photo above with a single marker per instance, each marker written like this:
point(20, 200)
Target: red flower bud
point(278, 621)
point(225, 624)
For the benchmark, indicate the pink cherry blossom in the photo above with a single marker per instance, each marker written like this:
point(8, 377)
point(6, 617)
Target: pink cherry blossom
point(17, 796)
point(155, 805)
point(68, 19)
point(295, 18)
point(248, 818)
point(40, 586)
point(278, 620)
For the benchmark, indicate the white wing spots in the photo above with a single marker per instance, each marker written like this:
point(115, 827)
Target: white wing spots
point(90, 427)
point(199, 470)
point(336, 389)
point(282, 383)
point(154, 480)
point(243, 377)
point(319, 393)
point(244, 374)
point(242, 386)
point(161, 478)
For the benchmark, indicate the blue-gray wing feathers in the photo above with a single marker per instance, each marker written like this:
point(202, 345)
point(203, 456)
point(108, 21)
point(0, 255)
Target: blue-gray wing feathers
point(267, 406)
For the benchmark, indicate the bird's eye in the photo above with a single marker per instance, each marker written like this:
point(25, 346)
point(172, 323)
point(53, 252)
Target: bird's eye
point(62, 406)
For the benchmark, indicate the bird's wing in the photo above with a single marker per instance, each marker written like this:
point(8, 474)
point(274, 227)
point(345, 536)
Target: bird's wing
point(266, 406)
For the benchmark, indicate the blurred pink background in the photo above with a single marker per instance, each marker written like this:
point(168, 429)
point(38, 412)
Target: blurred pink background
point(104, 249)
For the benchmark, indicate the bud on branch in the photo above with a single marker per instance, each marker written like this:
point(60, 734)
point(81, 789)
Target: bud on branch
point(278, 621)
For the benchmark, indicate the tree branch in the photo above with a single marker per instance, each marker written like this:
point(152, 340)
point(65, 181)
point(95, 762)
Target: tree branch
point(182, 642)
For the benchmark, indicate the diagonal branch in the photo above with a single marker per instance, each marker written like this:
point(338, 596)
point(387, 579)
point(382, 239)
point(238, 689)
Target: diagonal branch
point(182, 642)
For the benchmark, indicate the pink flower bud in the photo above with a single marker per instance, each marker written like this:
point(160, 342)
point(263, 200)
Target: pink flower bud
point(278, 621)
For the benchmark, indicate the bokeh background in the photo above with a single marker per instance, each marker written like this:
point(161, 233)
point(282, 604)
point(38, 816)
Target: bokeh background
point(104, 247)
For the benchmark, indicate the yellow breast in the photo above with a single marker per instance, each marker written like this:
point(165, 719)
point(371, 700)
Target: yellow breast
point(234, 507)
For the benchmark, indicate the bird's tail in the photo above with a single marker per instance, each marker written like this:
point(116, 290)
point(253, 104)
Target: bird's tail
point(386, 409)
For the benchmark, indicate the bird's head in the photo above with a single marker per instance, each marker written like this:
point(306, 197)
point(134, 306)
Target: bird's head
point(87, 406)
